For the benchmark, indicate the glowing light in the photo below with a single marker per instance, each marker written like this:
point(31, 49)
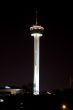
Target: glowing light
point(13, 92)
point(64, 106)
point(18, 89)
point(49, 93)
point(7, 87)
point(1, 100)
point(36, 27)
point(36, 34)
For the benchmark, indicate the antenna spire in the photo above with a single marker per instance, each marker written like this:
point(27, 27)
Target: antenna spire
point(36, 18)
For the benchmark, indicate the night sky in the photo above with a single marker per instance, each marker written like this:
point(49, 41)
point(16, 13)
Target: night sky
point(56, 45)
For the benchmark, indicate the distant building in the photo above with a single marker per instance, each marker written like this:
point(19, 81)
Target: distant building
point(8, 90)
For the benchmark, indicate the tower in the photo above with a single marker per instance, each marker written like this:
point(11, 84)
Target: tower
point(36, 32)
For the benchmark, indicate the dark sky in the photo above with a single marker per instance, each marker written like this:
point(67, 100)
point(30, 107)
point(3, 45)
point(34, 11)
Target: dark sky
point(56, 45)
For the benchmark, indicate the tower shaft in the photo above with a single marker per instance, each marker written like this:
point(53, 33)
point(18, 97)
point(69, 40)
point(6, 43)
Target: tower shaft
point(36, 64)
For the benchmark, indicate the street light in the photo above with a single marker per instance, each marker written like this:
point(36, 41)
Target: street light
point(64, 107)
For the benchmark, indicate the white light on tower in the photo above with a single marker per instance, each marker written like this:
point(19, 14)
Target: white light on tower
point(36, 32)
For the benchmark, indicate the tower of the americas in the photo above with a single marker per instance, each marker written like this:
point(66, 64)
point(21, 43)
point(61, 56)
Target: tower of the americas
point(36, 32)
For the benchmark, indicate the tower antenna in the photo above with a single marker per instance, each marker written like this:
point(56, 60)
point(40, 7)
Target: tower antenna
point(36, 17)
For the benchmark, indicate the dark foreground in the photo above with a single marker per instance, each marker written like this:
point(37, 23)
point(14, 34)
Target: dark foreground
point(56, 100)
